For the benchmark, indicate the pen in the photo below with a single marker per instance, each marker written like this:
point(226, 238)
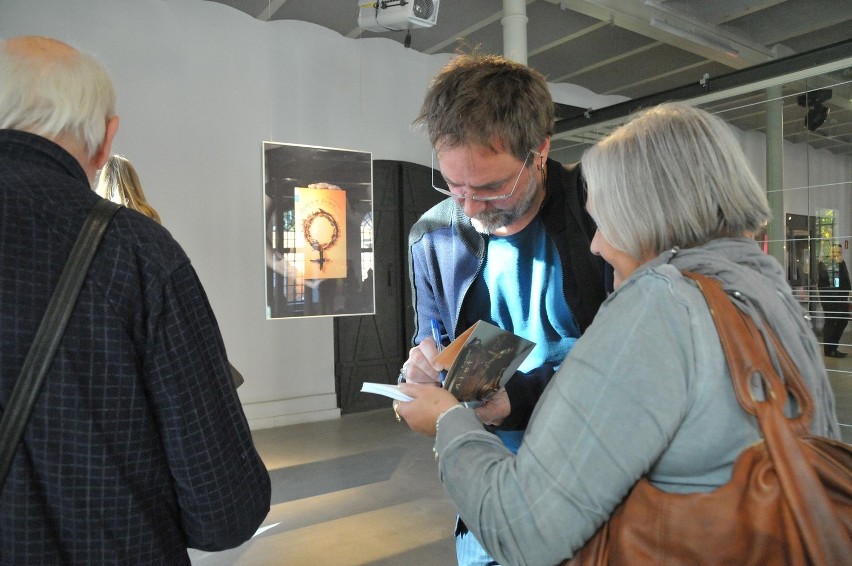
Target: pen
point(436, 336)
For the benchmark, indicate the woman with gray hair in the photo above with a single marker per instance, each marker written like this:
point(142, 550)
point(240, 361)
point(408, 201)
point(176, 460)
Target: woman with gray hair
point(646, 391)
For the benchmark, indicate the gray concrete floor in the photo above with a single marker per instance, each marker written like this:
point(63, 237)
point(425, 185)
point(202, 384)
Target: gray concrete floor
point(840, 375)
point(362, 489)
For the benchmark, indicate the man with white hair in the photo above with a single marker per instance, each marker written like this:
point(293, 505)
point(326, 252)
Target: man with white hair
point(137, 447)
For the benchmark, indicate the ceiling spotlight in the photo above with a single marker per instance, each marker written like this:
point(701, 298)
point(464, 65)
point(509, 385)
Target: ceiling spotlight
point(817, 111)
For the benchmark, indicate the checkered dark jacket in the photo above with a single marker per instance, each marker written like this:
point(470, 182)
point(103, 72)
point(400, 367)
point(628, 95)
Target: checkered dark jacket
point(137, 447)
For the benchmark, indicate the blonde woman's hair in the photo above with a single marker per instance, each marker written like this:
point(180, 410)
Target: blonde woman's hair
point(674, 175)
point(119, 183)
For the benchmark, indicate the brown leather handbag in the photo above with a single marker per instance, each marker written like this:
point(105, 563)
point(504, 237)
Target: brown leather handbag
point(789, 500)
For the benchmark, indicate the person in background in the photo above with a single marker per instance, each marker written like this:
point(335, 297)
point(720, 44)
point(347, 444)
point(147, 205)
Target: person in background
point(137, 447)
point(119, 182)
point(646, 391)
point(834, 287)
point(510, 244)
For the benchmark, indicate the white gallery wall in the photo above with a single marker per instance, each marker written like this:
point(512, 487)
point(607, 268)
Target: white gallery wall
point(200, 86)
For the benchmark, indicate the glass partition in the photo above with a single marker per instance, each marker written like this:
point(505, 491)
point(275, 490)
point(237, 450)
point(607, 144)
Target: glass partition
point(796, 130)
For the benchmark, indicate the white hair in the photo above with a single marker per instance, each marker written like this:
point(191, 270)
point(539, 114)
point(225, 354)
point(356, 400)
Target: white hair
point(674, 175)
point(53, 97)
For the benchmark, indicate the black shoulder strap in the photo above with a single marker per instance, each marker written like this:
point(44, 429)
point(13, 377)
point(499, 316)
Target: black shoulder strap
point(13, 422)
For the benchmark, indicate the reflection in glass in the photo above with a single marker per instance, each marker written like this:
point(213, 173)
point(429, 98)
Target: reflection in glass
point(797, 132)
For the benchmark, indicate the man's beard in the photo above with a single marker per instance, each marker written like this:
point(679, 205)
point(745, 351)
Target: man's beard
point(490, 220)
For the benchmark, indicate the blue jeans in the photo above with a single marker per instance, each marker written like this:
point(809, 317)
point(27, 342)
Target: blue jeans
point(469, 551)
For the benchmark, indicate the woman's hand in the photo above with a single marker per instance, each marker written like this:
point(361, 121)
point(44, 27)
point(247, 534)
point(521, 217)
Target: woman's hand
point(324, 186)
point(430, 401)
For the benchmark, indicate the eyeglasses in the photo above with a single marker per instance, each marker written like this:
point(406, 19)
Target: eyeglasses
point(481, 198)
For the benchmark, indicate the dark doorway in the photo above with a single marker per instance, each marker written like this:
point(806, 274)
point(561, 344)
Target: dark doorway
point(373, 347)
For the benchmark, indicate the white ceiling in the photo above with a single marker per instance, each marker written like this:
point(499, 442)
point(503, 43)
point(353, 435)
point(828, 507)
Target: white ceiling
point(611, 46)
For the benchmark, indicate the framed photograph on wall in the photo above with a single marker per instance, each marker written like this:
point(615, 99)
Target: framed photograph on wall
point(318, 231)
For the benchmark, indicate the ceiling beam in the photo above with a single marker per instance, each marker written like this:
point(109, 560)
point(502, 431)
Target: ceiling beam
point(567, 38)
point(272, 7)
point(680, 31)
point(793, 68)
point(649, 80)
point(735, 9)
point(605, 62)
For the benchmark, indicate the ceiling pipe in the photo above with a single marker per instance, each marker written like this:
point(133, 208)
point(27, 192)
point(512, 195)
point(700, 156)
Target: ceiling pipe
point(515, 30)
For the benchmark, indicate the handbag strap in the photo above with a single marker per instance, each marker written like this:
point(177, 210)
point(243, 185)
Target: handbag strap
point(748, 356)
point(14, 420)
point(749, 363)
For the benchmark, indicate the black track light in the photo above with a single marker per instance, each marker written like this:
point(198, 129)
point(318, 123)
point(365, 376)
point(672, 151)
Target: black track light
point(817, 111)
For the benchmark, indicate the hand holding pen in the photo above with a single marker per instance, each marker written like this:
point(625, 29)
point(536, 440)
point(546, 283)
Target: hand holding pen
point(419, 368)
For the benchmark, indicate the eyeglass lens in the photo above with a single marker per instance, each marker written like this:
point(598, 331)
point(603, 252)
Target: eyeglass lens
point(467, 194)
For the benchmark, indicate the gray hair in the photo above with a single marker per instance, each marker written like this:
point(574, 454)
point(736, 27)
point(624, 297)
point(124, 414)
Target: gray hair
point(672, 176)
point(56, 96)
point(487, 99)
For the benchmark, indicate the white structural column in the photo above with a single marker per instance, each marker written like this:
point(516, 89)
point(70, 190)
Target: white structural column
point(775, 171)
point(515, 30)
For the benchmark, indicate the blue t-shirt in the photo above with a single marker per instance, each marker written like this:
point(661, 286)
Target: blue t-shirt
point(520, 290)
